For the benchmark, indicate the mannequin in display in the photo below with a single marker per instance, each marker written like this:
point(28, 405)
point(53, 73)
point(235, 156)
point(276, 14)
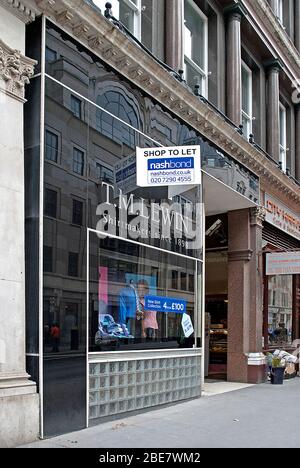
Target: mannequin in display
point(129, 307)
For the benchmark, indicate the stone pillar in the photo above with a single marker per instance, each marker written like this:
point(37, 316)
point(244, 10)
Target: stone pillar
point(174, 33)
point(273, 131)
point(245, 359)
point(234, 63)
point(19, 403)
point(297, 135)
point(297, 24)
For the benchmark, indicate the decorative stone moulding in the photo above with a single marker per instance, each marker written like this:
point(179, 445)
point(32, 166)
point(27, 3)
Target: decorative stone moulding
point(24, 9)
point(15, 71)
point(82, 20)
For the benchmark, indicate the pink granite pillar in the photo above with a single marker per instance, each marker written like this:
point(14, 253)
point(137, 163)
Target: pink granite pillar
point(245, 360)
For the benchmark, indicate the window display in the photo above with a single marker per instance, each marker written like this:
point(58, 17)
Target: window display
point(280, 311)
point(129, 280)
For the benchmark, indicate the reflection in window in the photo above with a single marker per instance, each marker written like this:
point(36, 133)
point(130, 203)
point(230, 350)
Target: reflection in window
point(280, 315)
point(48, 259)
point(50, 203)
point(104, 173)
point(73, 264)
point(78, 161)
point(51, 55)
point(115, 103)
point(76, 106)
point(77, 212)
point(51, 146)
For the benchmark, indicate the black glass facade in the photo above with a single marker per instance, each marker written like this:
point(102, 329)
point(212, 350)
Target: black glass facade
point(92, 121)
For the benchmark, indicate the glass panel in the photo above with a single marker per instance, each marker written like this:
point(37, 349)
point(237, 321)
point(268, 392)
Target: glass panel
point(194, 35)
point(194, 77)
point(122, 277)
point(282, 126)
point(246, 91)
point(280, 312)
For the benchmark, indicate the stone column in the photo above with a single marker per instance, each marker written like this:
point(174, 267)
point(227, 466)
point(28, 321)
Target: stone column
point(19, 403)
point(297, 24)
point(297, 135)
point(273, 131)
point(174, 33)
point(234, 63)
point(245, 359)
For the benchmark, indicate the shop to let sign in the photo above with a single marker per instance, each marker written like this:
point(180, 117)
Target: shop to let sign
point(165, 304)
point(286, 263)
point(175, 165)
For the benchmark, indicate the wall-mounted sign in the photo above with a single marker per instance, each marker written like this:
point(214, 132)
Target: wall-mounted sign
point(282, 217)
point(165, 304)
point(175, 165)
point(286, 263)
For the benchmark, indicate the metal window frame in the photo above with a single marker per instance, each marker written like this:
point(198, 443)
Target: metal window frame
point(283, 142)
point(248, 115)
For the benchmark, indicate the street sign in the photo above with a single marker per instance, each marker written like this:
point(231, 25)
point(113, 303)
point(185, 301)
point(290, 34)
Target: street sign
point(168, 166)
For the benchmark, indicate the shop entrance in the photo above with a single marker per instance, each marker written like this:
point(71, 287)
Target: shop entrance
point(216, 297)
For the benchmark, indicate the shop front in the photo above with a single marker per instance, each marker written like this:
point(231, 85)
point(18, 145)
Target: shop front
point(281, 236)
point(115, 311)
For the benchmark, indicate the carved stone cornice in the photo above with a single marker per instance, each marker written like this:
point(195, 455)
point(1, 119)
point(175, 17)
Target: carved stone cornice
point(257, 216)
point(275, 33)
point(15, 71)
point(22, 9)
point(125, 56)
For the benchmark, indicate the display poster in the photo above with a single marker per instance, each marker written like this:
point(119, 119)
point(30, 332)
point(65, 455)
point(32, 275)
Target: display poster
point(166, 304)
point(285, 263)
point(187, 325)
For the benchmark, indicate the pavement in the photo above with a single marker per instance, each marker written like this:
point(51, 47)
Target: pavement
point(259, 416)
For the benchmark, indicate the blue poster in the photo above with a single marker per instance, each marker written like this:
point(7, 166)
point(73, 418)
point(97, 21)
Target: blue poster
point(165, 304)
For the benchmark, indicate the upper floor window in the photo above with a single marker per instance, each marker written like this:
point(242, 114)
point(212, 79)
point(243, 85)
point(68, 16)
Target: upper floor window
point(78, 161)
point(76, 106)
point(195, 46)
point(246, 100)
point(279, 10)
point(127, 11)
point(283, 138)
point(51, 149)
point(77, 217)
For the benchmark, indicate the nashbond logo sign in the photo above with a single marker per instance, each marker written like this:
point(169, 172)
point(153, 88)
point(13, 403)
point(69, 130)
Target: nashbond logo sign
point(162, 167)
point(282, 217)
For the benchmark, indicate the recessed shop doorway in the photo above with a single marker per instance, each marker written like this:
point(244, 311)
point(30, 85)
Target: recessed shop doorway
point(216, 305)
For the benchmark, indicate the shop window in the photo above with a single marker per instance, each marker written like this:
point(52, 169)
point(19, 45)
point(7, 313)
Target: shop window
point(51, 149)
point(50, 203)
point(280, 314)
point(122, 318)
point(76, 106)
point(195, 46)
point(246, 100)
point(48, 259)
point(78, 161)
point(283, 138)
point(73, 264)
point(127, 11)
point(116, 104)
point(77, 217)
point(51, 55)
